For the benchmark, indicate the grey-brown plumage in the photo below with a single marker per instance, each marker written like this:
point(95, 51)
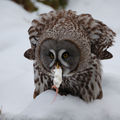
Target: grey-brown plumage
point(84, 41)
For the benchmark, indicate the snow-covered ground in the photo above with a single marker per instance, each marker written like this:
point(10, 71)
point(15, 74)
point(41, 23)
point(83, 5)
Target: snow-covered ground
point(16, 72)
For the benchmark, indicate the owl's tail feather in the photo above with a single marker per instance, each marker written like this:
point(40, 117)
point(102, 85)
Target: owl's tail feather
point(56, 93)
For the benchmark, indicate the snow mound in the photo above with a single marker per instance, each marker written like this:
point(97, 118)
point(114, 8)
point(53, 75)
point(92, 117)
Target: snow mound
point(73, 108)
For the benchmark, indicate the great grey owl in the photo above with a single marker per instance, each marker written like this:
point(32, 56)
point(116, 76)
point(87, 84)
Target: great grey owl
point(77, 43)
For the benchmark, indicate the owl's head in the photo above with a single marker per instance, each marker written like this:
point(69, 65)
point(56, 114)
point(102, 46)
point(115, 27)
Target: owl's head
point(65, 39)
point(64, 53)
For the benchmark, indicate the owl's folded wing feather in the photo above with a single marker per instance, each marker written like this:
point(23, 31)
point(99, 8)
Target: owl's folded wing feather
point(100, 36)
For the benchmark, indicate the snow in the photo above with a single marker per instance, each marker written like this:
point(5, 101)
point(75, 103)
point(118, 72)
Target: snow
point(72, 108)
point(16, 72)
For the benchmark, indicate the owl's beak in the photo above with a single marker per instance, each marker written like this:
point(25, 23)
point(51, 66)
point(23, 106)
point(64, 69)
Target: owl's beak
point(57, 65)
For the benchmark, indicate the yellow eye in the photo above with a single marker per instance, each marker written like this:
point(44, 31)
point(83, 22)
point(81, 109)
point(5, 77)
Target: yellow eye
point(51, 55)
point(65, 55)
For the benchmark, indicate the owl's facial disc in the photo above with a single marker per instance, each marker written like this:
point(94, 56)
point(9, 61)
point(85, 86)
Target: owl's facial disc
point(63, 52)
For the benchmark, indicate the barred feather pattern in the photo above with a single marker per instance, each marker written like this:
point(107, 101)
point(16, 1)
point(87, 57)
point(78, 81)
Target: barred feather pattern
point(91, 35)
point(100, 36)
point(86, 84)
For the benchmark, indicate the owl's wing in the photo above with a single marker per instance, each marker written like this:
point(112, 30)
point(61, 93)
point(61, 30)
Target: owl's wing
point(100, 36)
point(29, 54)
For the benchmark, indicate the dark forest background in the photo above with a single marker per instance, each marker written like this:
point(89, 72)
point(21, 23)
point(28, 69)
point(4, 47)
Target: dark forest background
point(30, 6)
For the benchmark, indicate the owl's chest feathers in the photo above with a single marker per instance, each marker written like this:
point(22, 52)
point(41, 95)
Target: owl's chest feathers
point(85, 84)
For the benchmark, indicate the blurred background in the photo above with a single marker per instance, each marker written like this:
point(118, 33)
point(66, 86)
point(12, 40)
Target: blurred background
point(16, 72)
point(30, 6)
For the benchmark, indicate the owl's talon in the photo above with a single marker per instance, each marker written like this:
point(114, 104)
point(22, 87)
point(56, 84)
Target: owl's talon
point(63, 93)
point(36, 93)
